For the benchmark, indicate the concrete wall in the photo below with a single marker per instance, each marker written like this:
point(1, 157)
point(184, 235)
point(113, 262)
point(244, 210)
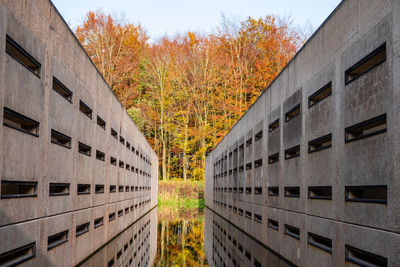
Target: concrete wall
point(353, 31)
point(38, 28)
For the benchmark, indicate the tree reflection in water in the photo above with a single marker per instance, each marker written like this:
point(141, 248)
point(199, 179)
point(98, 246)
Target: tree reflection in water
point(180, 240)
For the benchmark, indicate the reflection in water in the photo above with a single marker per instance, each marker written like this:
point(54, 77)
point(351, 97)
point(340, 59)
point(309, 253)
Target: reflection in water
point(135, 246)
point(180, 238)
point(227, 245)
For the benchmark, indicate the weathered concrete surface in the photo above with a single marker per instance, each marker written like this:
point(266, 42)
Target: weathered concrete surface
point(354, 30)
point(38, 28)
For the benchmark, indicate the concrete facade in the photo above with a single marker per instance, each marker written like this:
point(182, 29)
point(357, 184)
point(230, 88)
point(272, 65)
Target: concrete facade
point(75, 170)
point(311, 170)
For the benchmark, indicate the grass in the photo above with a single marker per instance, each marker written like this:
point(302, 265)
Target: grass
point(187, 203)
point(180, 194)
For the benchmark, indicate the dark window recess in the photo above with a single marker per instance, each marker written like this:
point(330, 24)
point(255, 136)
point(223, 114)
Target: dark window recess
point(128, 145)
point(240, 247)
point(292, 152)
point(258, 136)
point(60, 139)
point(132, 169)
point(113, 188)
point(320, 143)
point(364, 258)
point(19, 255)
point(248, 215)
point(274, 125)
point(240, 168)
point(292, 231)
point(257, 263)
point(62, 89)
point(100, 155)
point(111, 216)
point(240, 212)
point(82, 229)
point(292, 191)
point(370, 193)
point(374, 59)
point(101, 122)
point(273, 224)
point(273, 191)
point(258, 218)
point(258, 163)
point(248, 166)
point(114, 133)
point(249, 142)
point(58, 189)
point(85, 109)
point(248, 255)
point(127, 166)
point(121, 164)
point(84, 149)
point(257, 190)
point(122, 140)
point(320, 192)
point(121, 188)
point(18, 189)
point(57, 239)
point(98, 222)
point(23, 57)
point(320, 242)
point(126, 188)
point(119, 254)
point(274, 158)
point(120, 213)
point(126, 210)
point(320, 95)
point(248, 190)
point(83, 189)
point(19, 122)
point(293, 113)
point(113, 161)
point(99, 189)
point(366, 129)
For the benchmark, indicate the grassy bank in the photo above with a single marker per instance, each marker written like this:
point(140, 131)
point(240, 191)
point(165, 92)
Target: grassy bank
point(180, 194)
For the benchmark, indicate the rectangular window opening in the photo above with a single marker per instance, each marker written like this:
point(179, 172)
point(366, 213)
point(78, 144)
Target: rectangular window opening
point(24, 58)
point(274, 158)
point(100, 155)
point(60, 139)
point(320, 143)
point(121, 164)
point(364, 258)
point(19, 255)
point(18, 189)
point(258, 163)
point(293, 113)
point(114, 133)
point(320, 95)
point(248, 215)
point(248, 190)
point(62, 90)
point(292, 231)
point(58, 189)
point(120, 213)
point(258, 136)
point(257, 218)
point(248, 166)
point(57, 239)
point(374, 59)
point(113, 161)
point(84, 149)
point(320, 242)
point(122, 140)
point(292, 152)
point(257, 190)
point(82, 229)
point(85, 109)
point(249, 142)
point(98, 222)
point(320, 192)
point(292, 191)
point(111, 217)
point(113, 188)
point(121, 188)
point(274, 125)
point(366, 129)
point(83, 189)
point(101, 122)
point(20, 122)
point(99, 189)
point(369, 194)
point(273, 191)
point(273, 224)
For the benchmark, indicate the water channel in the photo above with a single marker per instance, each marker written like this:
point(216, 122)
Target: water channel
point(183, 237)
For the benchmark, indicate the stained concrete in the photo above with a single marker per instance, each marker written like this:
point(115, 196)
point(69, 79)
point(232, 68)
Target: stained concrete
point(350, 33)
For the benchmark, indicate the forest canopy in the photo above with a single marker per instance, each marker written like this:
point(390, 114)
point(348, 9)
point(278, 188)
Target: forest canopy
point(185, 92)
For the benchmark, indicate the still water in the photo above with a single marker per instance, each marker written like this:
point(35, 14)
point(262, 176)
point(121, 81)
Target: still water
point(183, 237)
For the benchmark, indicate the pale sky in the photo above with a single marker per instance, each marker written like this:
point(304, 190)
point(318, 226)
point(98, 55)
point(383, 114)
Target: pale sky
point(168, 17)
